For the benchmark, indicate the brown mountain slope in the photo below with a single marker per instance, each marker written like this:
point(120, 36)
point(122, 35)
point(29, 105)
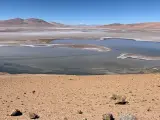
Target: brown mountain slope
point(149, 25)
point(35, 21)
point(15, 21)
point(31, 22)
point(59, 24)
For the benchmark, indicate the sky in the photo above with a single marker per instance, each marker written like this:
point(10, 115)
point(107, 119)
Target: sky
point(83, 11)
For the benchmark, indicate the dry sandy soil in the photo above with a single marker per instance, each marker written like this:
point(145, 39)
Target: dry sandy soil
point(59, 96)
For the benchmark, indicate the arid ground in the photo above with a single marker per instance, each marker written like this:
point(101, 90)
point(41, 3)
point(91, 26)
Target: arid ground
point(54, 97)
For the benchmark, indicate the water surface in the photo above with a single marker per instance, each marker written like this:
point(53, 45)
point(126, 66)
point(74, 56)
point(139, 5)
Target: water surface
point(71, 60)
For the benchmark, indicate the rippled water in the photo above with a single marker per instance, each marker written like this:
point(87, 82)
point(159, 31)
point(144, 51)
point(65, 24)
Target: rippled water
point(69, 60)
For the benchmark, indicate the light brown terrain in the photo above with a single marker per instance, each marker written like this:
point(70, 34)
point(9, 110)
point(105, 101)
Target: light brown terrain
point(134, 26)
point(30, 22)
point(54, 97)
point(32, 30)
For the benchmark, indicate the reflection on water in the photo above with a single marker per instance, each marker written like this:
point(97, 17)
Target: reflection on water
point(74, 60)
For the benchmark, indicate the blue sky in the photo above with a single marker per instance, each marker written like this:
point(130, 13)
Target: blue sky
point(83, 11)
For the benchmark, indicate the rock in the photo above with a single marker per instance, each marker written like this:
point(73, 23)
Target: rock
point(121, 101)
point(17, 98)
point(84, 118)
point(148, 109)
point(65, 118)
point(115, 97)
point(33, 116)
point(79, 112)
point(16, 112)
point(107, 117)
point(33, 91)
point(127, 117)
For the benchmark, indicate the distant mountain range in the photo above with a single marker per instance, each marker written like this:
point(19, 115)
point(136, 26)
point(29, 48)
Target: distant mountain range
point(31, 22)
point(147, 25)
point(35, 22)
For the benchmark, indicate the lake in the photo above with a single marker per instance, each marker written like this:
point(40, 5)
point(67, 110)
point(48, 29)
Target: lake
point(81, 57)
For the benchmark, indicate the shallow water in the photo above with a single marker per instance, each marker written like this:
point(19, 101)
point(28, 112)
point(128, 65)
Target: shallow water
point(68, 60)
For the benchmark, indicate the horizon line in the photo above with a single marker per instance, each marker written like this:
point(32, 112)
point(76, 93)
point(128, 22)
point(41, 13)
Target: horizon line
point(120, 23)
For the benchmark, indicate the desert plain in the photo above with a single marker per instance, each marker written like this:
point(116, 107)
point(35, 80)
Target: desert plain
point(56, 97)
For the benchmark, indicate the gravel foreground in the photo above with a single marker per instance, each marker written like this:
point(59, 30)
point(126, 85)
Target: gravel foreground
point(69, 97)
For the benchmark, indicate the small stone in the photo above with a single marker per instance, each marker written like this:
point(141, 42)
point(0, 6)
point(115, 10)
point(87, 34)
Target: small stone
point(84, 118)
point(148, 109)
point(65, 118)
point(80, 112)
point(115, 97)
point(107, 117)
point(17, 98)
point(33, 116)
point(127, 117)
point(122, 101)
point(33, 91)
point(16, 112)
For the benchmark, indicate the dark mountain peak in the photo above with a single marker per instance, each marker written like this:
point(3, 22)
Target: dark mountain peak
point(35, 20)
point(30, 22)
point(15, 21)
point(113, 24)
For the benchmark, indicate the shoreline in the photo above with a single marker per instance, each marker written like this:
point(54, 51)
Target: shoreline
point(133, 39)
point(48, 40)
point(72, 75)
point(90, 47)
point(46, 36)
